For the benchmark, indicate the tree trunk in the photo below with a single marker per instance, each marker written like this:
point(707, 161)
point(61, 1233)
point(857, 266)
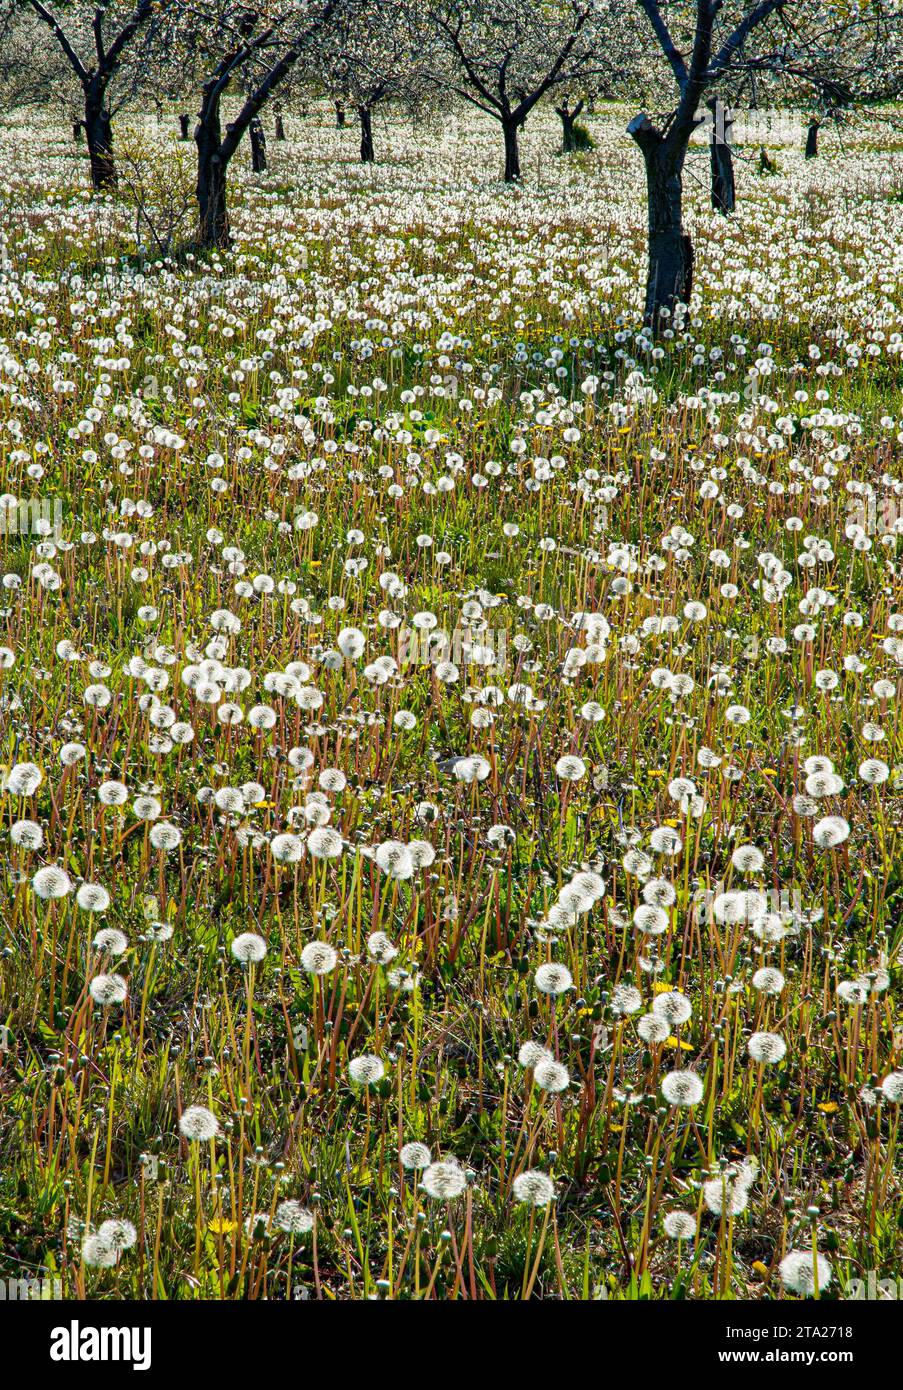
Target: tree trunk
point(724, 196)
point(340, 115)
point(213, 216)
point(183, 126)
point(812, 139)
point(512, 153)
point(258, 146)
point(77, 131)
point(766, 163)
point(368, 153)
point(670, 275)
point(98, 131)
point(568, 121)
point(280, 127)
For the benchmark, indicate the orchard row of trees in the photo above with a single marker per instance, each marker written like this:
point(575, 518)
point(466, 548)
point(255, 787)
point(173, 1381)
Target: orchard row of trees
point(232, 59)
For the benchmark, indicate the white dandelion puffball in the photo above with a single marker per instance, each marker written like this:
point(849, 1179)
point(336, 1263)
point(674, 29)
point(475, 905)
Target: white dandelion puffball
point(92, 897)
point(626, 999)
point(112, 794)
point(287, 848)
point(665, 840)
point(679, 1225)
point(873, 772)
point(853, 992)
point(52, 882)
point(682, 1088)
point(830, 832)
point(98, 1252)
point(394, 858)
point(324, 843)
point(293, 1218)
point(26, 834)
point(672, 1006)
point(892, 1088)
point(767, 1048)
point(798, 1271)
point(748, 859)
point(248, 948)
point(319, 958)
point(534, 1188)
point(570, 768)
point(366, 1070)
point(108, 989)
point(422, 853)
point(658, 892)
point(736, 907)
point(653, 1028)
point(198, 1123)
point(112, 941)
point(532, 1053)
point(575, 898)
point(23, 779)
point(380, 949)
point(551, 1076)
point(725, 1196)
point(768, 980)
point(444, 1180)
point(165, 836)
point(351, 643)
point(553, 979)
point(118, 1234)
point(650, 920)
point(415, 1156)
point(473, 769)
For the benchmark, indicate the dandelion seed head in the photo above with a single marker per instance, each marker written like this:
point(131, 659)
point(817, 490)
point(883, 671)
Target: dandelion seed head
point(319, 958)
point(366, 1070)
point(444, 1181)
point(198, 1124)
point(799, 1269)
point(534, 1188)
point(248, 948)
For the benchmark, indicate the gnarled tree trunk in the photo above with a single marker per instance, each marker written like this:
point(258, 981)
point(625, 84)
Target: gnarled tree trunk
point(365, 116)
point(512, 152)
point(669, 279)
point(183, 126)
point(213, 216)
point(99, 134)
point(724, 196)
point(568, 121)
point(812, 139)
point(258, 146)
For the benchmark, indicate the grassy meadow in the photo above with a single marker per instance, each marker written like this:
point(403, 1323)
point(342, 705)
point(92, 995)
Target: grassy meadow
point(450, 805)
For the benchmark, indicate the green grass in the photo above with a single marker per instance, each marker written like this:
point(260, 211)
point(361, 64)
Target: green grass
point(93, 1094)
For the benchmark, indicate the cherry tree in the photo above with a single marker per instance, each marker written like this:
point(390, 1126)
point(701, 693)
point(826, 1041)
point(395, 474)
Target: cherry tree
point(243, 49)
point(95, 43)
point(664, 144)
point(370, 57)
point(707, 44)
point(839, 71)
point(505, 56)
